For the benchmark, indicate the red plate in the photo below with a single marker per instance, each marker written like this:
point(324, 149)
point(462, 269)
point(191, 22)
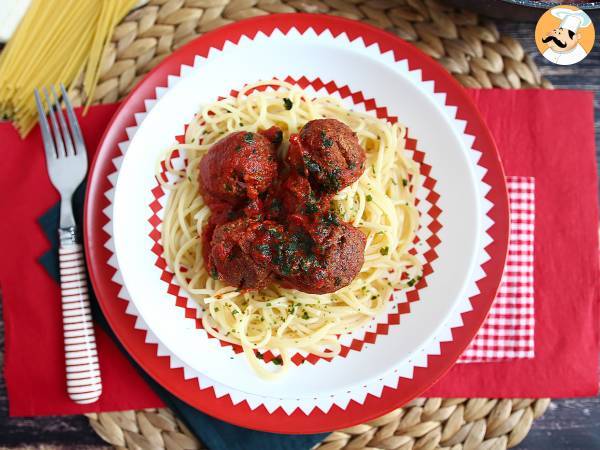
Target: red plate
point(173, 379)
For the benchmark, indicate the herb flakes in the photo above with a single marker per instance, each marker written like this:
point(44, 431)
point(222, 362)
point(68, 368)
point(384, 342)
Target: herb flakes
point(327, 142)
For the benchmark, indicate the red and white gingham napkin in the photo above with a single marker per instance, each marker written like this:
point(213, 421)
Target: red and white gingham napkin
point(508, 331)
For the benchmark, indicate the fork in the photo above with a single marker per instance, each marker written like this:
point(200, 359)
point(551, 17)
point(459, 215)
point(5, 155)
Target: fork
point(66, 158)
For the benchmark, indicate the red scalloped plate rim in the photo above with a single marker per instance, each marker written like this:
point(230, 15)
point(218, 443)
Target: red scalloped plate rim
point(205, 400)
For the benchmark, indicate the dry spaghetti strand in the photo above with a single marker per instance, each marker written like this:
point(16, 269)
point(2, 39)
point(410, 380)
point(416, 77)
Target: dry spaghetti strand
point(55, 42)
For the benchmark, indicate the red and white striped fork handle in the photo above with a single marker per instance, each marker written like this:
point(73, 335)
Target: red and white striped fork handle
point(84, 384)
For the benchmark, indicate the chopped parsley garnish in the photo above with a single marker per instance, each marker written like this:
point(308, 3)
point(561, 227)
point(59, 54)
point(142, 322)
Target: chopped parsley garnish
point(234, 312)
point(369, 197)
point(228, 187)
point(309, 262)
point(305, 316)
point(337, 281)
point(286, 269)
point(238, 148)
point(311, 165)
point(264, 249)
point(414, 280)
point(214, 274)
point(332, 181)
point(373, 169)
point(260, 356)
point(278, 138)
point(384, 251)
point(327, 142)
point(268, 304)
point(249, 138)
point(311, 208)
point(404, 182)
point(276, 234)
point(352, 165)
point(292, 245)
point(287, 103)
point(278, 361)
point(288, 254)
point(330, 218)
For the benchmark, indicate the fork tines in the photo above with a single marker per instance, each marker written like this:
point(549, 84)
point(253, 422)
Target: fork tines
point(64, 143)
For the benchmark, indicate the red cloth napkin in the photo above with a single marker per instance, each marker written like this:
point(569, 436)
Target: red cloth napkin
point(33, 353)
point(558, 151)
point(535, 139)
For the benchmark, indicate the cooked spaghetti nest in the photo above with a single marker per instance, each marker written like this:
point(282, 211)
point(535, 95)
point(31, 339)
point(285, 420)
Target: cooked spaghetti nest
point(381, 204)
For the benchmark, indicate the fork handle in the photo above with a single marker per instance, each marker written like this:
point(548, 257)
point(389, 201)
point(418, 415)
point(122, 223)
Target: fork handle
point(84, 384)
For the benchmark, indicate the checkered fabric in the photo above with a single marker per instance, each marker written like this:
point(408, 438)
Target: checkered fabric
point(508, 331)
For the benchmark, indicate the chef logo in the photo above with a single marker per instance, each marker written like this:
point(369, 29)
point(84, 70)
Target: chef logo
point(564, 35)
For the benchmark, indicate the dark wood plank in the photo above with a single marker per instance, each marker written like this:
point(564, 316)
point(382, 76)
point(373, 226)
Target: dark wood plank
point(572, 424)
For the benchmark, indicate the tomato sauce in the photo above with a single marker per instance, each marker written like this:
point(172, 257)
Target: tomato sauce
point(271, 220)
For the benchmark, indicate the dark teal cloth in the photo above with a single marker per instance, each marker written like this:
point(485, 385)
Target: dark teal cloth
point(215, 434)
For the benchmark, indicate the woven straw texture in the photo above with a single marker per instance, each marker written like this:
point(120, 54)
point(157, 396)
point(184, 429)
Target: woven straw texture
point(423, 424)
point(468, 47)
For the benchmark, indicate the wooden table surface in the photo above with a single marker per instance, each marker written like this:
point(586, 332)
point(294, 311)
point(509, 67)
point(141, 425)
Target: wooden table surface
point(568, 424)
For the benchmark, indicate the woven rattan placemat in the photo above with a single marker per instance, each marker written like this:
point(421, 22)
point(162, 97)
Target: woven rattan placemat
point(477, 55)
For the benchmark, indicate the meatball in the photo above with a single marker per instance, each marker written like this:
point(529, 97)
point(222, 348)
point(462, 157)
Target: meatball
point(230, 256)
point(298, 197)
point(268, 224)
point(239, 167)
point(240, 252)
point(327, 152)
point(328, 255)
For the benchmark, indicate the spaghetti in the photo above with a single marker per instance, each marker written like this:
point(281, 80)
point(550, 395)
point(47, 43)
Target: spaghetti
point(381, 204)
point(54, 43)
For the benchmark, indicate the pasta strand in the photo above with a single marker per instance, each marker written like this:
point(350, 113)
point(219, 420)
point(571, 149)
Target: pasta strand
point(55, 42)
point(381, 204)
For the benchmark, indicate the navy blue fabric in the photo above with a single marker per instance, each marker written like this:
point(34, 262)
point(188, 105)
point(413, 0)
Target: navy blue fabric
point(215, 434)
